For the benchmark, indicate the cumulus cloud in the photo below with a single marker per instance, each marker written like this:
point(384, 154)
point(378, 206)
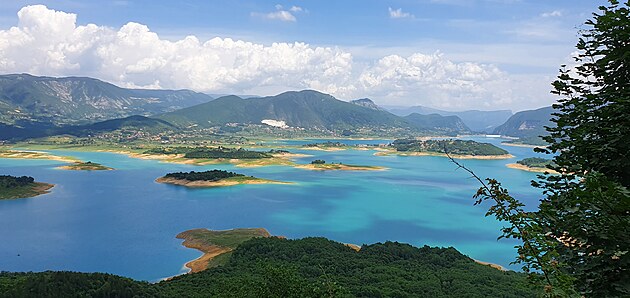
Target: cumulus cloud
point(399, 14)
point(49, 42)
point(280, 14)
point(551, 14)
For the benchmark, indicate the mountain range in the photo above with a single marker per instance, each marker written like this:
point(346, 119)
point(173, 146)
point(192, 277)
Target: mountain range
point(33, 106)
point(527, 124)
point(477, 121)
point(81, 100)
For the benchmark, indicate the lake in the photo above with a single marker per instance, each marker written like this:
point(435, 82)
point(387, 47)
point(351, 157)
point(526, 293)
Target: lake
point(124, 223)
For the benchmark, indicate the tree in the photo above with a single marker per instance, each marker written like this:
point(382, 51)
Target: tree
point(577, 240)
point(587, 207)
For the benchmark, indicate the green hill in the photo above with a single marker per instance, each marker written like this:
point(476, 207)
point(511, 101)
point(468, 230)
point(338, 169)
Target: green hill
point(78, 100)
point(306, 109)
point(309, 267)
point(36, 130)
point(526, 124)
point(450, 125)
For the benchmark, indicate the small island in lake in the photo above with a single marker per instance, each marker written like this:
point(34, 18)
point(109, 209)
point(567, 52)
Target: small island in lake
point(85, 166)
point(212, 178)
point(321, 165)
point(218, 155)
point(533, 164)
point(12, 187)
point(462, 149)
point(217, 246)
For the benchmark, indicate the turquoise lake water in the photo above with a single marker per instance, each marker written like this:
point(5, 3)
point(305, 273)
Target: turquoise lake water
point(124, 223)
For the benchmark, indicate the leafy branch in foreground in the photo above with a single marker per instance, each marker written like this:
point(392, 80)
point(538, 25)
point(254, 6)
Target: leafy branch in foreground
point(536, 253)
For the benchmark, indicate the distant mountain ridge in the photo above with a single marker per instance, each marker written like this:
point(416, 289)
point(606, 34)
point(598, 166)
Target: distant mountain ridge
point(476, 120)
point(75, 100)
point(526, 124)
point(306, 109)
point(442, 124)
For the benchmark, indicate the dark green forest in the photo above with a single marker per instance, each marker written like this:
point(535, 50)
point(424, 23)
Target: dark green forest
point(309, 267)
point(213, 153)
point(458, 147)
point(536, 162)
point(7, 181)
point(212, 175)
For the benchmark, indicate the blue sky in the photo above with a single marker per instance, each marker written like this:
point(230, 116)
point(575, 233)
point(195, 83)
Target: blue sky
point(442, 53)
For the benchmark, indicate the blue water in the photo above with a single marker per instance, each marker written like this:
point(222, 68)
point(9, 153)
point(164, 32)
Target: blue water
point(122, 222)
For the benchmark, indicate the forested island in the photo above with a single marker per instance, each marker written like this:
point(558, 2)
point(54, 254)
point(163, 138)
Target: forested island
point(533, 164)
point(212, 178)
point(309, 267)
point(12, 187)
point(212, 153)
point(85, 166)
point(321, 165)
point(454, 148)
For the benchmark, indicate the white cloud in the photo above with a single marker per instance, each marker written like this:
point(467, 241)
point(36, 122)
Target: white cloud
point(281, 14)
point(551, 14)
point(399, 14)
point(48, 42)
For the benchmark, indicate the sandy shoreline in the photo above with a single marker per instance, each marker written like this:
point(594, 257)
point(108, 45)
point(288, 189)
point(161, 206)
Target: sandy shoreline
point(16, 154)
point(455, 156)
point(210, 251)
point(529, 169)
point(220, 183)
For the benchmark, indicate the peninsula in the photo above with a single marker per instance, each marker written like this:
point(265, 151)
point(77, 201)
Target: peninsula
point(12, 187)
point(216, 246)
point(212, 178)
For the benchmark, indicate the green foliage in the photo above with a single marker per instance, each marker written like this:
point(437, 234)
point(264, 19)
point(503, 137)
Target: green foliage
point(71, 284)
point(316, 267)
point(212, 175)
point(7, 181)
point(578, 237)
point(459, 147)
point(536, 162)
point(318, 162)
point(213, 153)
point(589, 204)
point(309, 267)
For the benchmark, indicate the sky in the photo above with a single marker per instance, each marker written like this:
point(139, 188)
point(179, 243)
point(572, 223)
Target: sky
point(447, 54)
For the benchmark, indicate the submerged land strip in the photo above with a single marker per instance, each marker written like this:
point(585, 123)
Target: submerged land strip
point(85, 166)
point(320, 165)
